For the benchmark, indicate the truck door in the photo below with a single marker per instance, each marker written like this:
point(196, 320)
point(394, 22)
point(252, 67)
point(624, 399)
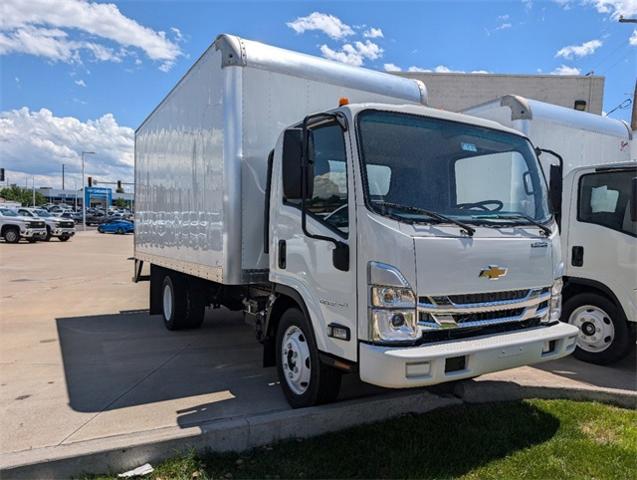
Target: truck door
point(305, 263)
point(602, 243)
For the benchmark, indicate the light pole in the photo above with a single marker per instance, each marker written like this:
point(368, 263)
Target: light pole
point(83, 192)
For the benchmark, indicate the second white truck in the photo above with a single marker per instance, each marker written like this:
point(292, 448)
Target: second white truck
point(359, 230)
point(594, 174)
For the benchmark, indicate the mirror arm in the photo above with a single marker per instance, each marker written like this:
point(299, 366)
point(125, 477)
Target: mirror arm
point(340, 254)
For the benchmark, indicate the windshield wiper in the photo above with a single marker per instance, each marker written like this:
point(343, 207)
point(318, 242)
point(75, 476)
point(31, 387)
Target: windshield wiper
point(438, 216)
point(518, 216)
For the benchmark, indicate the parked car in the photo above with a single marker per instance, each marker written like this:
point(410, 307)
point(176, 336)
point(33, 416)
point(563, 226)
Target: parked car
point(75, 216)
point(58, 227)
point(116, 225)
point(95, 219)
point(13, 227)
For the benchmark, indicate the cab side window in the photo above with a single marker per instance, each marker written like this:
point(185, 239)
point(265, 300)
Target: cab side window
point(329, 200)
point(604, 199)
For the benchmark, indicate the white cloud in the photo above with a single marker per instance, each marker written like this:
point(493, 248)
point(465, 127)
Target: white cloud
point(417, 69)
point(633, 38)
point(373, 33)
point(391, 67)
point(43, 27)
point(328, 24)
point(565, 4)
point(503, 26)
point(615, 8)
point(38, 142)
point(566, 70)
point(572, 51)
point(80, 82)
point(355, 54)
point(506, 16)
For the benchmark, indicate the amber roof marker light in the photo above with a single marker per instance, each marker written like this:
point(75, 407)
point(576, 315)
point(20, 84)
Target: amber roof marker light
point(343, 101)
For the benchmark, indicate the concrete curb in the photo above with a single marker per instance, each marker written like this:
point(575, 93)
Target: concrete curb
point(123, 452)
point(484, 391)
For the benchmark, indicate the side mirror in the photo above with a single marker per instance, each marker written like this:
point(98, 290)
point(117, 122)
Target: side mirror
point(291, 166)
point(633, 200)
point(555, 189)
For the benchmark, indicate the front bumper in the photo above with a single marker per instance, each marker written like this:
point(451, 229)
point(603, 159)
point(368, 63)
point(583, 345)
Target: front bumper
point(401, 367)
point(58, 232)
point(33, 233)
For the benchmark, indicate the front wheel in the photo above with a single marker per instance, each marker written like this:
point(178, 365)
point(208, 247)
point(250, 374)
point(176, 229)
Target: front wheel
point(604, 336)
point(120, 231)
point(12, 235)
point(63, 238)
point(304, 379)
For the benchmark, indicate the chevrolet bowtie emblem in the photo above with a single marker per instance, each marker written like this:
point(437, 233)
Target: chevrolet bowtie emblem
point(493, 272)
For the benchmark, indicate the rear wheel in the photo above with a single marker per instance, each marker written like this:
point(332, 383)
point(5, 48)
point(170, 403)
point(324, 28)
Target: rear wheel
point(182, 307)
point(604, 336)
point(305, 380)
point(12, 235)
point(120, 231)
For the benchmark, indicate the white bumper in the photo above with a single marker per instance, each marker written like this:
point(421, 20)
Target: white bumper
point(58, 232)
point(400, 367)
point(33, 232)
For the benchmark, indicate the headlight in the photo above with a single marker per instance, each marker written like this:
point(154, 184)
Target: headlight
point(555, 310)
point(392, 312)
point(393, 297)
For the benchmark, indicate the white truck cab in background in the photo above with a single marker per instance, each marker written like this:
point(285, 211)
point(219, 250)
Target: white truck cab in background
point(405, 244)
point(598, 181)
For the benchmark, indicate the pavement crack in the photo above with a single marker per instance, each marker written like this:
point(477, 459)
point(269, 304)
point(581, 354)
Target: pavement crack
point(125, 392)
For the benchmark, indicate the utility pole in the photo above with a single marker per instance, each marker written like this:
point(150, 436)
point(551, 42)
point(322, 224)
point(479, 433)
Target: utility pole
point(34, 191)
point(84, 192)
point(62, 176)
point(633, 118)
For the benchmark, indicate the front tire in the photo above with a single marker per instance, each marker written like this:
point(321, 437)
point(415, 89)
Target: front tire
point(305, 380)
point(63, 238)
point(182, 308)
point(12, 235)
point(604, 335)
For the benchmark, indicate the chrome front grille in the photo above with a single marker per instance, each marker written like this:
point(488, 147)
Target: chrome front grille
point(482, 309)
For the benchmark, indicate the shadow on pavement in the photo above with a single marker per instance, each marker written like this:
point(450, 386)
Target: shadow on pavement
point(129, 359)
point(621, 375)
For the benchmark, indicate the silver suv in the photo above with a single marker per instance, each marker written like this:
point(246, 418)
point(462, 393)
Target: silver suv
point(13, 227)
point(61, 228)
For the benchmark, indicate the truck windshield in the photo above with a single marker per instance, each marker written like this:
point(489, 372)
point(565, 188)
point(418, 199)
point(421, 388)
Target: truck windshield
point(465, 172)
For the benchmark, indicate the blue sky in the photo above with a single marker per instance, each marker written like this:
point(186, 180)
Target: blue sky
point(98, 70)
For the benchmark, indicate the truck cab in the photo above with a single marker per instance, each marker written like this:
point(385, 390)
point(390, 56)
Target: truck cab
point(599, 237)
point(412, 245)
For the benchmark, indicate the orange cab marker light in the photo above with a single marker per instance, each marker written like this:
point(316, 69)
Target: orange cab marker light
point(343, 101)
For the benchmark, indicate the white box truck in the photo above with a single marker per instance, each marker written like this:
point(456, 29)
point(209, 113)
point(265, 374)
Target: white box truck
point(593, 167)
point(407, 245)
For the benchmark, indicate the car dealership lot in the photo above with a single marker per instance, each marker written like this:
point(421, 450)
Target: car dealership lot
point(82, 361)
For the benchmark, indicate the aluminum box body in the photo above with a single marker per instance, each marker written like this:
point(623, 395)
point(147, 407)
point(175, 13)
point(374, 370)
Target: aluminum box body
point(201, 155)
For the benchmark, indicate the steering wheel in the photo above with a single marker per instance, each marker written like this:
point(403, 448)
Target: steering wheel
point(482, 205)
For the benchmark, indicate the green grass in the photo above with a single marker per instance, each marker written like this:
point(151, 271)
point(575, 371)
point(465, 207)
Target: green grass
point(534, 439)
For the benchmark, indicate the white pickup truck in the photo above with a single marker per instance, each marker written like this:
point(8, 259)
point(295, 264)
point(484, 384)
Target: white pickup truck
point(13, 227)
point(56, 227)
point(408, 245)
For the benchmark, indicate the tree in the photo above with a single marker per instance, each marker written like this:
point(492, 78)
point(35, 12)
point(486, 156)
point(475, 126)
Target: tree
point(120, 203)
point(22, 195)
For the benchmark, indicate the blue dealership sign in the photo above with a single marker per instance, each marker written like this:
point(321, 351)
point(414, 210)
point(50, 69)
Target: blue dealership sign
point(98, 193)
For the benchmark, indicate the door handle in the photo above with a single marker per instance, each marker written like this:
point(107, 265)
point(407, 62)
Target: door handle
point(282, 254)
point(577, 256)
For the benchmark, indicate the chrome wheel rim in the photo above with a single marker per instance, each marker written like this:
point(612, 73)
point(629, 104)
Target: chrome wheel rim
point(596, 330)
point(295, 357)
point(168, 302)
